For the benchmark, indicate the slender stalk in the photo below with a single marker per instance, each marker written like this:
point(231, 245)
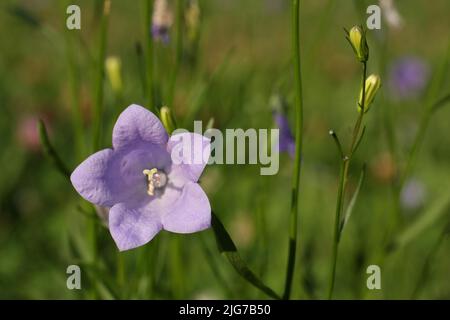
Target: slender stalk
point(149, 54)
point(339, 205)
point(293, 219)
point(361, 114)
point(98, 111)
point(345, 165)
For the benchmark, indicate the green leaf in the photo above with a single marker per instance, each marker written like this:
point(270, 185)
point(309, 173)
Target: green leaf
point(427, 219)
point(25, 15)
point(227, 247)
point(351, 205)
point(441, 103)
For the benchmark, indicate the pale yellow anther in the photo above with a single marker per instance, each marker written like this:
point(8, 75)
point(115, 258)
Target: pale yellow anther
point(151, 186)
point(156, 179)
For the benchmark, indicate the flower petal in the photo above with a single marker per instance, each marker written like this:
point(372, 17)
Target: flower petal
point(109, 177)
point(90, 178)
point(191, 213)
point(133, 227)
point(190, 152)
point(136, 125)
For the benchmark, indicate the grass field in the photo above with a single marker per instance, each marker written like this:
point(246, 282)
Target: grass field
point(230, 63)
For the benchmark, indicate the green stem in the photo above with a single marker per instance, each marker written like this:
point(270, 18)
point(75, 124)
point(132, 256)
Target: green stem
point(149, 56)
point(293, 219)
point(98, 111)
point(339, 205)
point(345, 165)
point(361, 113)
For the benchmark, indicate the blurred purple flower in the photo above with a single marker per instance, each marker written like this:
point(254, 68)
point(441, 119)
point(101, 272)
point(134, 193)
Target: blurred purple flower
point(413, 194)
point(408, 78)
point(145, 191)
point(391, 14)
point(160, 33)
point(161, 21)
point(287, 141)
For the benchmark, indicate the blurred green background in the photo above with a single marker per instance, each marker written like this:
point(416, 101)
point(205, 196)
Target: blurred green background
point(242, 59)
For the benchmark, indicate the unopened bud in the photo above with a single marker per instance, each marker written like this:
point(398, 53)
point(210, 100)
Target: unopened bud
point(373, 83)
point(357, 38)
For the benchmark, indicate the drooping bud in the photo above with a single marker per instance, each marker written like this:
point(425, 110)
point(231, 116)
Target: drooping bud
point(357, 38)
point(373, 83)
point(113, 70)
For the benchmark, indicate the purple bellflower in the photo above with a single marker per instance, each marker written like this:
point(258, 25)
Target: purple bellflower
point(145, 190)
point(408, 78)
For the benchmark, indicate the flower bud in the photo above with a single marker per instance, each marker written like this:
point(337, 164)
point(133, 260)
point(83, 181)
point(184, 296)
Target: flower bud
point(357, 38)
point(167, 119)
point(113, 70)
point(373, 83)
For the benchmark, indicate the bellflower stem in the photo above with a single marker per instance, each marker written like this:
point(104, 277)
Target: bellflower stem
point(345, 164)
point(293, 219)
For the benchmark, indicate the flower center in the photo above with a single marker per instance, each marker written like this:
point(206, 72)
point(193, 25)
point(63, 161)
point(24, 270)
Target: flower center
point(156, 179)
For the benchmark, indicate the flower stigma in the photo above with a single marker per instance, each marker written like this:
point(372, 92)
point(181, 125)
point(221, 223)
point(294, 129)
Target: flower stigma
point(156, 179)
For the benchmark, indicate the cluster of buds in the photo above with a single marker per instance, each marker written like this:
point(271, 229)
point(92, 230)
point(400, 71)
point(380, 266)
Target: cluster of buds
point(357, 39)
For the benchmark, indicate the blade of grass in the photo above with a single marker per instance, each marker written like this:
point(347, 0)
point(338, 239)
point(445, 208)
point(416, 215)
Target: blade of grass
point(426, 219)
point(51, 152)
point(351, 205)
point(227, 247)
